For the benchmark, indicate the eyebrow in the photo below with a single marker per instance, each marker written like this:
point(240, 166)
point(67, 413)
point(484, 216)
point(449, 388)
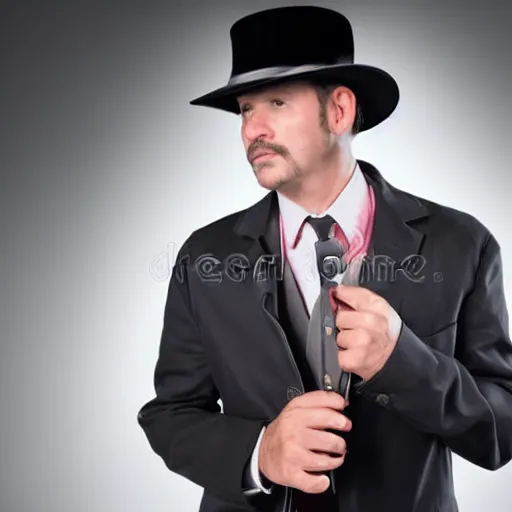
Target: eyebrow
point(285, 91)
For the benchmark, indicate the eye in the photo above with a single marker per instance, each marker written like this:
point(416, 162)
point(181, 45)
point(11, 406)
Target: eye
point(278, 102)
point(244, 109)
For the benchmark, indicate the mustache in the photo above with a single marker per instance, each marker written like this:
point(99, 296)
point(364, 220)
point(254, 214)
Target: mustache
point(265, 145)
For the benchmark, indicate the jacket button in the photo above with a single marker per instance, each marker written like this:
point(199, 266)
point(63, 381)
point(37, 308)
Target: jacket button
point(292, 392)
point(382, 399)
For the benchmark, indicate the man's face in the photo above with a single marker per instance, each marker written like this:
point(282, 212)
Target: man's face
point(284, 122)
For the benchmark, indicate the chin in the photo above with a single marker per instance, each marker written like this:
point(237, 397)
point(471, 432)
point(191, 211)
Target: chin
point(270, 177)
point(270, 185)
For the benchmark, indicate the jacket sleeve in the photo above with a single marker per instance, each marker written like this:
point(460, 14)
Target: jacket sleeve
point(466, 400)
point(183, 422)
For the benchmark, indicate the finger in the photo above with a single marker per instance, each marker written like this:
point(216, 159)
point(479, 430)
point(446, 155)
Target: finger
point(351, 319)
point(318, 399)
point(323, 419)
point(357, 297)
point(357, 339)
point(368, 320)
point(350, 360)
point(326, 442)
point(321, 462)
point(311, 484)
point(347, 338)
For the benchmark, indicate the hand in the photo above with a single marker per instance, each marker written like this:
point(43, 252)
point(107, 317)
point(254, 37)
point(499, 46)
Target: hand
point(368, 330)
point(296, 442)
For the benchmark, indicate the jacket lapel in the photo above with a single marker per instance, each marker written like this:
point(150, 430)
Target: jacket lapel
point(395, 244)
point(259, 226)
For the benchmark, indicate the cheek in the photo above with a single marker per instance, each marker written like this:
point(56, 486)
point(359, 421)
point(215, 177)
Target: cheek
point(304, 149)
point(294, 139)
point(245, 141)
point(306, 138)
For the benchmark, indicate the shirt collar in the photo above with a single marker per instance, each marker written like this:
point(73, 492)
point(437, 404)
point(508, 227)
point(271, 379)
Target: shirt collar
point(345, 210)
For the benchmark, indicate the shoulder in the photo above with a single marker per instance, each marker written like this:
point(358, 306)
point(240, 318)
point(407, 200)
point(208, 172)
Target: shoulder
point(446, 222)
point(443, 223)
point(220, 236)
point(438, 219)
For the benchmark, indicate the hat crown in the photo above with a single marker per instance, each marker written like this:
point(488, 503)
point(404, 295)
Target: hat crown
point(298, 43)
point(290, 36)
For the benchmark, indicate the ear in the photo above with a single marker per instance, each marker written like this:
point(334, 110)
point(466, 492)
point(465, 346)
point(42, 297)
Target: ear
point(342, 110)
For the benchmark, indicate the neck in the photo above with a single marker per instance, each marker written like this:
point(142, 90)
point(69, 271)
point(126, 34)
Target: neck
point(319, 189)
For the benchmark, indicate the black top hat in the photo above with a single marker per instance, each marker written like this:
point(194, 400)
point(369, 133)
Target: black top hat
point(301, 43)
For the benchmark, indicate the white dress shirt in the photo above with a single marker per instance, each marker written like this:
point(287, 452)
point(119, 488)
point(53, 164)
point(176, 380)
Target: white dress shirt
point(345, 210)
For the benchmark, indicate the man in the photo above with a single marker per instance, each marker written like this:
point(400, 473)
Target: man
point(422, 332)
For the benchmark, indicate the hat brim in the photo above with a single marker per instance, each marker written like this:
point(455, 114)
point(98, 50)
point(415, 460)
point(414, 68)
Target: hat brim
point(376, 90)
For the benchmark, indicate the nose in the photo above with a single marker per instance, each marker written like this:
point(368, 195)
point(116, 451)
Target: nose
point(256, 126)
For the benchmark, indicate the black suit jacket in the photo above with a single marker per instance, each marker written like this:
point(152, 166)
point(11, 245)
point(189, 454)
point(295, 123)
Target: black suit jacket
point(447, 386)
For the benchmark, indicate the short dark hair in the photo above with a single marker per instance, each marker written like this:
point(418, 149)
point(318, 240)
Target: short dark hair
point(324, 91)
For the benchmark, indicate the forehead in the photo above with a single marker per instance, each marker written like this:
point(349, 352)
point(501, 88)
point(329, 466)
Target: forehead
point(287, 88)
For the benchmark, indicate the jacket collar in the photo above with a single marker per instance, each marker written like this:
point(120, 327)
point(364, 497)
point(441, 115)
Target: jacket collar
point(394, 248)
point(395, 203)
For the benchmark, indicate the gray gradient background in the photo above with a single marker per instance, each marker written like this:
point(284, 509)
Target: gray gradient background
point(106, 169)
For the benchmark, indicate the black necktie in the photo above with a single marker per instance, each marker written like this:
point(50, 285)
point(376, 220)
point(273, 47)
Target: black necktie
point(323, 226)
point(329, 250)
point(321, 350)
